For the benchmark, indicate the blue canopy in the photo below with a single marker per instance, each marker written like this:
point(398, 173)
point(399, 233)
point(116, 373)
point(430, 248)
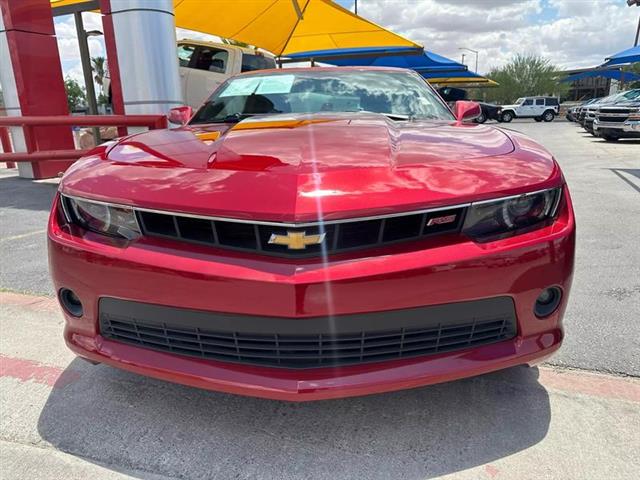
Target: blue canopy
point(433, 67)
point(630, 55)
point(383, 57)
point(613, 74)
point(449, 77)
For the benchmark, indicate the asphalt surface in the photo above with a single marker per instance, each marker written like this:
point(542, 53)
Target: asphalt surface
point(602, 321)
point(63, 418)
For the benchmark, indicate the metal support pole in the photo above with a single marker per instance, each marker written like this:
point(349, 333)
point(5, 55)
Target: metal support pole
point(635, 44)
point(87, 72)
point(475, 52)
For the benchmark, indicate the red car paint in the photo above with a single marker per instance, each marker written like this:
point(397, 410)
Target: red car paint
point(346, 167)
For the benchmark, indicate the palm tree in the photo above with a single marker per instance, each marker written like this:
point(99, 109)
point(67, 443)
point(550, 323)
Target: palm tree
point(97, 65)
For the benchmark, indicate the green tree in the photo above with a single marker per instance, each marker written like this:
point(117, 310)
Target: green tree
point(75, 94)
point(525, 75)
point(98, 67)
point(633, 68)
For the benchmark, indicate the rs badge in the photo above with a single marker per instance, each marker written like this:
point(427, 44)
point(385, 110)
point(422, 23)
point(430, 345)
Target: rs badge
point(441, 220)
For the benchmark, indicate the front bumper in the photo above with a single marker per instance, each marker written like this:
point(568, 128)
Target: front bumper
point(165, 273)
point(621, 128)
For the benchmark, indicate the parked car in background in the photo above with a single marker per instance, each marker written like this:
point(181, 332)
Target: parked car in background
point(619, 120)
point(205, 65)
point(589, 116)
point(489, 112)
point(574, 112)
point(451, 95)
point(538, 108)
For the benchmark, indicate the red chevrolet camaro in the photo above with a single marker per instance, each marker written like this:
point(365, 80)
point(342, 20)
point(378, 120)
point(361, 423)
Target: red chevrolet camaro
point(315, 233)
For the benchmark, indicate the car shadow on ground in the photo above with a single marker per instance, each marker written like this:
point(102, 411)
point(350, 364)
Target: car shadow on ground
point(129, 422)
point(13, 194)
point(621, 141)
point(631, 171)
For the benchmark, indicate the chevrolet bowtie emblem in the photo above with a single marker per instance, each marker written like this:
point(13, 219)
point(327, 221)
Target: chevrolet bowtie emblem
point(296, 240)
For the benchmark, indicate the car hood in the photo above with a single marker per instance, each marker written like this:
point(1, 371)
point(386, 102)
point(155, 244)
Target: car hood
point(627, 104)
point(289, 169)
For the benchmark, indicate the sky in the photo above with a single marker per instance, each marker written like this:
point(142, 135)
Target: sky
point(571, 33)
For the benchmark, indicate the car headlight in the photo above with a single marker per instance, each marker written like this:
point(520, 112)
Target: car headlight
point(493, 219)
point(99, 217)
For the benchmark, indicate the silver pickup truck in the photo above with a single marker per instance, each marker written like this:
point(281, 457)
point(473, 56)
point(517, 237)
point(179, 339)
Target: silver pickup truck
point(619, 120)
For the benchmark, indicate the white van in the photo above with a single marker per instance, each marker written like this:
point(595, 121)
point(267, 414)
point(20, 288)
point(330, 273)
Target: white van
point(205, 65)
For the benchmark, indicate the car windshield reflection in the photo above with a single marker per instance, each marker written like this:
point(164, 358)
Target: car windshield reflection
point(397, 95)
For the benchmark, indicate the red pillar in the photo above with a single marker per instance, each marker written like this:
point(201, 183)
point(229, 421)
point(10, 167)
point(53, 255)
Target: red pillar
point(34, 80)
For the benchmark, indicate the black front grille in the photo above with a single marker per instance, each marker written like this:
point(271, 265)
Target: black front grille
point(336, 236)
point(612, 118)
point(619, 111)
point(309, 343)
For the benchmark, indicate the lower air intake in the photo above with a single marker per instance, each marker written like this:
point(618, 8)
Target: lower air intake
point(309, 342)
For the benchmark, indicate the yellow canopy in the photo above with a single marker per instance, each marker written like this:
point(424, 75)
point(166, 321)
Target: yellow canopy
point(281, 26)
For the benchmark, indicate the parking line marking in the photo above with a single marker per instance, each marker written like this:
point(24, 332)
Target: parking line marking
point(23, 235)
point(30, 302)
point(591, 383)
point(633, 185)
point(26, 370)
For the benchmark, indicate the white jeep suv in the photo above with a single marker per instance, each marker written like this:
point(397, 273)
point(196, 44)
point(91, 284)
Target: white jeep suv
point(538, 108)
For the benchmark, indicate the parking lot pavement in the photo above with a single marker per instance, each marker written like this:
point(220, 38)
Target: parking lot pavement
point(24, 208)
point(603, 332)
point(602, 327)
point(64, 418)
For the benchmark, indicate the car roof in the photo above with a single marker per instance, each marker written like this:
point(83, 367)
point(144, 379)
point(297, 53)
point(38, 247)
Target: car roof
point(205, 43)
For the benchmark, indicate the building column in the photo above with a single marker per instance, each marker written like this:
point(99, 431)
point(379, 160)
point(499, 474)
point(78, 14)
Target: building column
point(140, 39)
point(32, 82)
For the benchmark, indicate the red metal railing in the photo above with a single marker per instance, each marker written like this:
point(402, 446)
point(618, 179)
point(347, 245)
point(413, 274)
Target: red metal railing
point(5, 142)
point(33, 155)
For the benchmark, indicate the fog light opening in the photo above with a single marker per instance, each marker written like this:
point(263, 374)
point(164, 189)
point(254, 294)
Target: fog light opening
point(70, 302)
point(547, 302)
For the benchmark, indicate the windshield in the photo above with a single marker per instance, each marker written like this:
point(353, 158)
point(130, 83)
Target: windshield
point(630, 95)
point(400, 95)
point(519, 101)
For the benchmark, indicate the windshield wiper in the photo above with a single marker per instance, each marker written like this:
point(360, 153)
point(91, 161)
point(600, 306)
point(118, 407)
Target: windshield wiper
point(235, 117)
point(392, 116)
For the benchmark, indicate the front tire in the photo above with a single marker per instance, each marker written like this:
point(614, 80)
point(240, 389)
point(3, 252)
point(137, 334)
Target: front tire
point(548, 116)
point(507, 117)
point(482, 118)
point(610, 138)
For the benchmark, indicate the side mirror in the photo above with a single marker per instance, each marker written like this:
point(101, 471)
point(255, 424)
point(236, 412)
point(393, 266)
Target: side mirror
point(180, 115)
point(466, 111)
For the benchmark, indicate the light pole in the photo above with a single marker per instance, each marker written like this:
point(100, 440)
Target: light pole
point(462, 61)
point(85, 60)
point(472, 51)
point(631, 3)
